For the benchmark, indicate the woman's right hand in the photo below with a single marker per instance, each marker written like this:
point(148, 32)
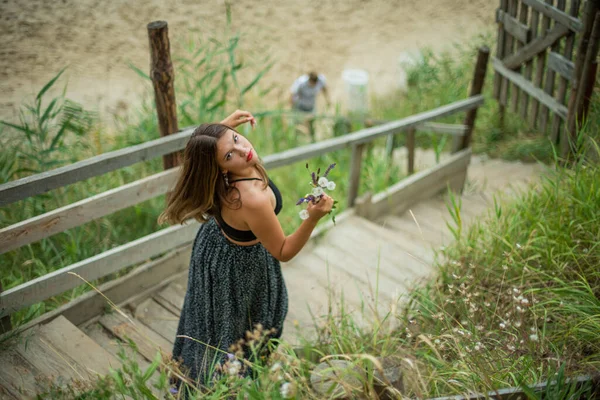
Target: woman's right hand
point(318, 210)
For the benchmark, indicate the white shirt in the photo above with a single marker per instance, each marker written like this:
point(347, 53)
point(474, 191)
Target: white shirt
point(305, 94)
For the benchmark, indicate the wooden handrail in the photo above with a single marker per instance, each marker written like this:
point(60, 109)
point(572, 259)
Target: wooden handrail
point(96, 267)
point(40, 183)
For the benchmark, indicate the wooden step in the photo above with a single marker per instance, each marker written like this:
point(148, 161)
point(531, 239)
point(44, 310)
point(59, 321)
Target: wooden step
point(158, 318)
point(126, 328)
point(56, 353)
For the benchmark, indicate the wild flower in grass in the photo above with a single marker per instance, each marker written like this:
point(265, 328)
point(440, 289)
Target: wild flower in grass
point(287, 390)
point(319, 185)
point(534, 337)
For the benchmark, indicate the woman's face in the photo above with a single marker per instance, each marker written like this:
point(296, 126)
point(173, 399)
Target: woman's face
point(235, 153)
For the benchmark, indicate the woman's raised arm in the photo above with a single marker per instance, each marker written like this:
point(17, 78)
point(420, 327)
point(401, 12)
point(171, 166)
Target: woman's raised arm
point(266, 227)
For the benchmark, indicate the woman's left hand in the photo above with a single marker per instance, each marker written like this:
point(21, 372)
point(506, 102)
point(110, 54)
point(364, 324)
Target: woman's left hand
point(239, 117)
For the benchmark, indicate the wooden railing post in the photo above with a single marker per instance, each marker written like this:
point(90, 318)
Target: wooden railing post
point(463, 142)
point(410, 147)
point(355, 167)
point(569, 134)
point(163, 80)
point(5, 324)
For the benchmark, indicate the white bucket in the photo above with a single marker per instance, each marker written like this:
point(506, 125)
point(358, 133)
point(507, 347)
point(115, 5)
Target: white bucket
point(407, 60)
point(356, 82)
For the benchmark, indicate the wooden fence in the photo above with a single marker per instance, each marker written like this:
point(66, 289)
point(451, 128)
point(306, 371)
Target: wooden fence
point(163, 241)
point(536, 66)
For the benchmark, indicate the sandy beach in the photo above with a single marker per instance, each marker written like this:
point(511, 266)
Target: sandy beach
point(97, 39)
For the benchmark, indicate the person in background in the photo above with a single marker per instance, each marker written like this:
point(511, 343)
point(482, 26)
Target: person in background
point(303, 97)
point(304, 91)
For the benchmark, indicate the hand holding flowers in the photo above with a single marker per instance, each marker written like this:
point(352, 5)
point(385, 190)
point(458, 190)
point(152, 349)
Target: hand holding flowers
point(319, 203)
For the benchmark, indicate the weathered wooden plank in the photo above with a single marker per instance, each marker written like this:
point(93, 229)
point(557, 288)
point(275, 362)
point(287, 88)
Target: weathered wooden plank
point(537, 93)
point(94, 166)
point(86, 210)
point(423, 184)
point(171, 298)
point(355, 168)
point(498, 80)
point(516, 28)
point(68, 340)
point(523, 15)
point(550, 77)
point(18, 376)
point(158, 318)
point(110, 261)
point(517, 392)
point(410, 147)
point(559, 16)
point(450, 129)
point(534, 47)
point(41, 183)
point(528, 73)
point(147, 278)
point(563, 82)
point(114, 345)
point(481, 65)
point(508, 51)
point(539, 71)
point(568, 140)
point(562, 65)
point(148, 342)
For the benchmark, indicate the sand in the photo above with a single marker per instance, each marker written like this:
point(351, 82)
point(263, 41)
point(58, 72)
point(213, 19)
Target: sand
point(96, 40)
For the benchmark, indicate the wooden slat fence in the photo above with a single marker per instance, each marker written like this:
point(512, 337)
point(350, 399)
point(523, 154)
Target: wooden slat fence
point(535, 65)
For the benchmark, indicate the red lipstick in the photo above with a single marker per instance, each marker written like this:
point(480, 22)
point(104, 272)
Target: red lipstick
point(249, 157)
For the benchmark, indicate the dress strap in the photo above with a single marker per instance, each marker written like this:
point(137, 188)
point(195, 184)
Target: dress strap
point(246, 179)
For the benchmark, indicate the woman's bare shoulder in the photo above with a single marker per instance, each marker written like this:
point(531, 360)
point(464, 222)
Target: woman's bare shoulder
point(254, 196)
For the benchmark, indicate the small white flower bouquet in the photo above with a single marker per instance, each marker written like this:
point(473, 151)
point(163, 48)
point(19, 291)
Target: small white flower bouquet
point(319, 185)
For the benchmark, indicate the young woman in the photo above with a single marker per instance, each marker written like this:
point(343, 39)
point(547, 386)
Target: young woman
point(235, 279)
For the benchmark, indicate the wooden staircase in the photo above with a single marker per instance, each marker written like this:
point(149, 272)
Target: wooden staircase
point(368, 264)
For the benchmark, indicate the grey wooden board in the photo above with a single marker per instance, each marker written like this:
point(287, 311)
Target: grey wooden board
point(158, 318)
point(93, 166)
point(561, 65)
point(147, 341)
point(171, 298)
point(95, 267)
point(398, 267)
point(513, 26)
point(532, 90)
point(62, 353)
point(403, 242)
point(114, 345)
point(309, 295)
point(17, 375)
point(560, 16)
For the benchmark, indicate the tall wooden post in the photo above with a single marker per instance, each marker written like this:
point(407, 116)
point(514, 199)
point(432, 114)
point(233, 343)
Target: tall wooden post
point(587, 83)
point(163, 80)
point(5, 324)
point(569, 134)
point(410, 147)
point(356, 162)
point(462, 142)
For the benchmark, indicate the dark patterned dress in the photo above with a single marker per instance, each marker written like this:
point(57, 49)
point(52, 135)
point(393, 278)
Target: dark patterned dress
point(231, 288)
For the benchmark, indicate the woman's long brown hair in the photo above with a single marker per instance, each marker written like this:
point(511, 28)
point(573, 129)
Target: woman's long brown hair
point(200, 191)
